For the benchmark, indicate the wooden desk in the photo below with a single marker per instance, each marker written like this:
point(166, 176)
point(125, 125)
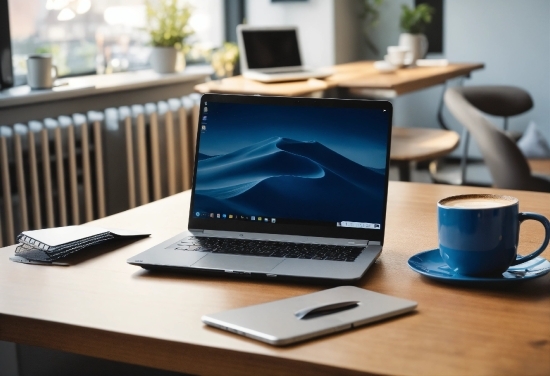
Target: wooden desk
point(103, 307)
point(419, 144)
point(540, 166)
point(360, 78)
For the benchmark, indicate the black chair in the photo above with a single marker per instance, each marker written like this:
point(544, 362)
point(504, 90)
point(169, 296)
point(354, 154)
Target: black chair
point(501, 101)
point(507, 164)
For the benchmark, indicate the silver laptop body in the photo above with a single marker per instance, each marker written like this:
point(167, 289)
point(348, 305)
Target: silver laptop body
point(272, 54)
point(300, 172)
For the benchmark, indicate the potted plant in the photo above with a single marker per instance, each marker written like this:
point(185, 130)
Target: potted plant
point(168, 25)
point(413, 24)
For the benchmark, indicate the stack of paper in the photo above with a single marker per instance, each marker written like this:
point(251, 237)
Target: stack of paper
point(48, 245)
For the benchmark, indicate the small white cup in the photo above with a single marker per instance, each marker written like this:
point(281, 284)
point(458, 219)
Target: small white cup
point(41, 73)
point(397, 55)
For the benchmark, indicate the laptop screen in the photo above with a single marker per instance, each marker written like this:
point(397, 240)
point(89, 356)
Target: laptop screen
point(286, 163)
point(271, 48)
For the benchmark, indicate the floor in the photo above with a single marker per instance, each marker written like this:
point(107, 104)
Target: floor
point(37, 361)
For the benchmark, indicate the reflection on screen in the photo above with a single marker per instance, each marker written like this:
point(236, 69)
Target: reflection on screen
point(271, 48)
point(292, 164)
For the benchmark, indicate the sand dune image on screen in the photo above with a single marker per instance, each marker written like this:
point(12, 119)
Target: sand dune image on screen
point(281, 177)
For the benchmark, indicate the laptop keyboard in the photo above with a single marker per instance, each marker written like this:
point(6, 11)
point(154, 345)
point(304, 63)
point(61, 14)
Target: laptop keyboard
point(269, 248)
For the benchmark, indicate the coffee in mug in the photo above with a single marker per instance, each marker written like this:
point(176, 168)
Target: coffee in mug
point(479, 233)
point(40, 72)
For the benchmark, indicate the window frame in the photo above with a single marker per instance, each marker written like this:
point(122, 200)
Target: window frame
point(234, 14)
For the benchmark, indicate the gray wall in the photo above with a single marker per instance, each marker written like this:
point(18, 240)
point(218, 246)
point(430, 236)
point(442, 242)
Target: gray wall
point(328, 29)
point(512, 38)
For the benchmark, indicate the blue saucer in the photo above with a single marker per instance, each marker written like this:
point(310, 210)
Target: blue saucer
point(430, 264)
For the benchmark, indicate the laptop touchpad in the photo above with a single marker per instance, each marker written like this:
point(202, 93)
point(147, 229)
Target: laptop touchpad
point(238, 263)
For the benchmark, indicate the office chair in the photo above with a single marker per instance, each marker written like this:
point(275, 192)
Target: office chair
point(507, 164)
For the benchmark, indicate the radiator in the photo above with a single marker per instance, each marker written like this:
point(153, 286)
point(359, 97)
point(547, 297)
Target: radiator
point(77, 168)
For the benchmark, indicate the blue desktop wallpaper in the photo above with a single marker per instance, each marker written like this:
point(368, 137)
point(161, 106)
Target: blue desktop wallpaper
point(292, 162)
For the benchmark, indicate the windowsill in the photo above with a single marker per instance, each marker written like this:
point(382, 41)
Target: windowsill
point(100, 84)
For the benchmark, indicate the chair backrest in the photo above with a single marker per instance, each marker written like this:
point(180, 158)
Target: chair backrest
point(498, 100)
point(508, 166)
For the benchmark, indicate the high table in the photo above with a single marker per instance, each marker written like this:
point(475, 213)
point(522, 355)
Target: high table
point(359, 78)
point(100, 306)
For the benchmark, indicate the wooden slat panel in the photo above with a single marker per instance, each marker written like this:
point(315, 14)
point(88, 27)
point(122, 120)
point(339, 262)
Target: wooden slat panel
point(8, 224)
point(86, 173)
point(47, 175)
point(61, 195)
point(170, 153)
point(185, 150)
point(35, 189)
point(142, 160)
point(100, 171)
point(73, 179)
point(130, 162)
point(155, 156)
point(20, 178)
point(194, 128)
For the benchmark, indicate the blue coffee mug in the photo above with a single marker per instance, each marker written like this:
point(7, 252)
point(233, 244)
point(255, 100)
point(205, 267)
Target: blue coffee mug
point(479, 234)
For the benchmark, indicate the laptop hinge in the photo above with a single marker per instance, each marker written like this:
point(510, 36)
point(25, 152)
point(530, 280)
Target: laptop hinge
point(196, 231)
point(370, 242)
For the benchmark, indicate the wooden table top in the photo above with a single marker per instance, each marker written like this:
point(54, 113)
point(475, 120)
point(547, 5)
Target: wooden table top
point(370, 81)
point(360, 77)
point(421, 144)
point(101, 306)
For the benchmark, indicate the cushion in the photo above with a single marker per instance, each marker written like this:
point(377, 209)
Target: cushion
point(533, 144)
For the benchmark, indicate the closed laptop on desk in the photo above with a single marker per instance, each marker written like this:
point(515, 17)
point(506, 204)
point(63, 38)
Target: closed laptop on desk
point(284, 187)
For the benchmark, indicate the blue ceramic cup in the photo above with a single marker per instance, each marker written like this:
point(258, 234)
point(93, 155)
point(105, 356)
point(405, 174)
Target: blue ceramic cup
point(478, 234)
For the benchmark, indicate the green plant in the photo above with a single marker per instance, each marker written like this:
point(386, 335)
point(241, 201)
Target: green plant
point(168, 23)
point(415, 20)
point(224, 59)
point(370, 14)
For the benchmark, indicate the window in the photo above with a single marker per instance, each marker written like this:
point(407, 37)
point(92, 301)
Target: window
point(98, 36)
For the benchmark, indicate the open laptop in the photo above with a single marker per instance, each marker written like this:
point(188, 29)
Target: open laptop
point(272, 54)
point(284, 188)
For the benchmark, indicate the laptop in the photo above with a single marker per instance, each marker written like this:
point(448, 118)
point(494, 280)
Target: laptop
point(284, 188)
point(272, 54)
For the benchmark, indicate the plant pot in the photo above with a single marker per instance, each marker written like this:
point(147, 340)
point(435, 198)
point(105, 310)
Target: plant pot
point(163, 59)
point(417, 45)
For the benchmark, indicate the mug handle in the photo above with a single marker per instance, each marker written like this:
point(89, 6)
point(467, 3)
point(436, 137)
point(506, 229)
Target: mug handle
point(544, 221)
point(54, 71)
point(423, 45)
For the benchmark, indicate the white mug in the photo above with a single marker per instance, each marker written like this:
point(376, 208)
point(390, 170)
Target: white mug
point(396, 55)
point(41, 73)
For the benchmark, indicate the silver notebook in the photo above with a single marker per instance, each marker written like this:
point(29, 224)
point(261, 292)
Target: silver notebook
point(296, 319)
